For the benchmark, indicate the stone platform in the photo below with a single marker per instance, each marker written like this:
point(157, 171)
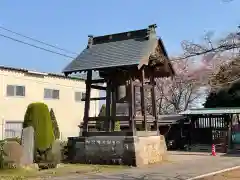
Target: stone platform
point(117, 148)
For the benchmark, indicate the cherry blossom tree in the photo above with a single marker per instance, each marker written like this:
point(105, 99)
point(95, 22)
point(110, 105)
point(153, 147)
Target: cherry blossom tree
point(177, 94)
point(194, 71)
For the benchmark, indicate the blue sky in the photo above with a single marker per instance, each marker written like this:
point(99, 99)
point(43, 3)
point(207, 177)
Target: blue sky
point(67, 24)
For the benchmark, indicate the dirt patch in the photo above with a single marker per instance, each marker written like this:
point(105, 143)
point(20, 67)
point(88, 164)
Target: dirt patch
point(229, 175)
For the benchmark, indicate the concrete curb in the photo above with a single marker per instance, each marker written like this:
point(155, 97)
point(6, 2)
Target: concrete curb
point(214, 173)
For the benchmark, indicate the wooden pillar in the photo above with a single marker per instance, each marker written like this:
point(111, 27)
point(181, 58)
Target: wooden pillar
point(113, 109)
point(143, 105)
point(87, 101)
point(154, 106)
point(230, 132)
point(191, 128)
point(210, 118)
point(131, 102)
point(108, 108)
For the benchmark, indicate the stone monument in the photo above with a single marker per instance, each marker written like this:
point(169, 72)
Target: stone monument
point(12, 153)
point(27, 142)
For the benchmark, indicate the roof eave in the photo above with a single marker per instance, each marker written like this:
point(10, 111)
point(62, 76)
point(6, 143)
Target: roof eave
point(96, 69)
point(160, 43)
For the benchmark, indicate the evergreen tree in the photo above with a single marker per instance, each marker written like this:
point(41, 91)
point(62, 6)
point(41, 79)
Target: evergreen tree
point(37, 115)
point(224, 97)
point(54, 124)
point(100, 124)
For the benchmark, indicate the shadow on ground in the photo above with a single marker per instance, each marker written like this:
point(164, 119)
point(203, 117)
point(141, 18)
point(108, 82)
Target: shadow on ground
point(193, 153)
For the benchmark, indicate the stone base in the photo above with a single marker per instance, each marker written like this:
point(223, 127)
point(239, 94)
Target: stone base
point(150, 150)
point(117, 148)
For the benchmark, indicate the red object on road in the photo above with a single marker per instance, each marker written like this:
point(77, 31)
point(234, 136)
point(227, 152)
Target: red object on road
point(213, 150)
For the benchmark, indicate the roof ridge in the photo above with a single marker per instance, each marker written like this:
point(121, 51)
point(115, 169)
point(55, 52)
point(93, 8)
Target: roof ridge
point(150, 26)
point(132, 34)
point(118, 33)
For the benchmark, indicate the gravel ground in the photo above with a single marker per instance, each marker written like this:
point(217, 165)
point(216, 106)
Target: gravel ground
point(181, 167)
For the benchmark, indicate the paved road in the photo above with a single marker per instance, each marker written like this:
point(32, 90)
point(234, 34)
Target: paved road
point(182, 167)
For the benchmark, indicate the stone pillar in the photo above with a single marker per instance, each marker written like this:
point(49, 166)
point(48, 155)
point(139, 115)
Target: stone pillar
point(2, 134)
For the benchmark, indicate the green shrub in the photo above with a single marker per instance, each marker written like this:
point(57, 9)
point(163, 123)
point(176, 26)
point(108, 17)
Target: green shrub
point(64, 150)
point(117, 126)
point(55, 124)
point(49, 161)
point(2, 155)
point(17, 139)
point(37, 115)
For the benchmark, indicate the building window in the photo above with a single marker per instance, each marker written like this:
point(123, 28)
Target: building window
point(83, 95)
point(15, 90)
point(13, 129)
point(51, 93)
point(79, 96)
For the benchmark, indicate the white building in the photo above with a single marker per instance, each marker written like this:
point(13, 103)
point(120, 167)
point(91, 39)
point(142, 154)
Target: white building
point(20, 87)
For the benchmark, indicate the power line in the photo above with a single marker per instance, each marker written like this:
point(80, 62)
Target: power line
point(227, 47)
point(36, 40)
point(217, 49)
point(32, 45)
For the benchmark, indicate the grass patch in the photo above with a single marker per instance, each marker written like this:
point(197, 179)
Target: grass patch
point(62, 170)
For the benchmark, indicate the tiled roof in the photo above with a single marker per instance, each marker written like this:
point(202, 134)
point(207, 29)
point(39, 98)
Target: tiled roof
point(121, 49)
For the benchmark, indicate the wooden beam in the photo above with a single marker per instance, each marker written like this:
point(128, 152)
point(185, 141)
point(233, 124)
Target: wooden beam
point(143, 106)
point(98, 98)
point(87, 102)
point(121, 118)
point(146, 86)
point(95, 81)
point(154, 106)
point(121, 122)
point(99, 87)
point(131, 102)
point(95, 99)
point(103, 118)
point(230, 132)
point(108, 107)
point(113, 109)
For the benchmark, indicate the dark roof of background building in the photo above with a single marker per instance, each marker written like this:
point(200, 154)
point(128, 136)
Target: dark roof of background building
point(79, 77)
point(122, 49)
point(170, 119)
point(206, 111)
